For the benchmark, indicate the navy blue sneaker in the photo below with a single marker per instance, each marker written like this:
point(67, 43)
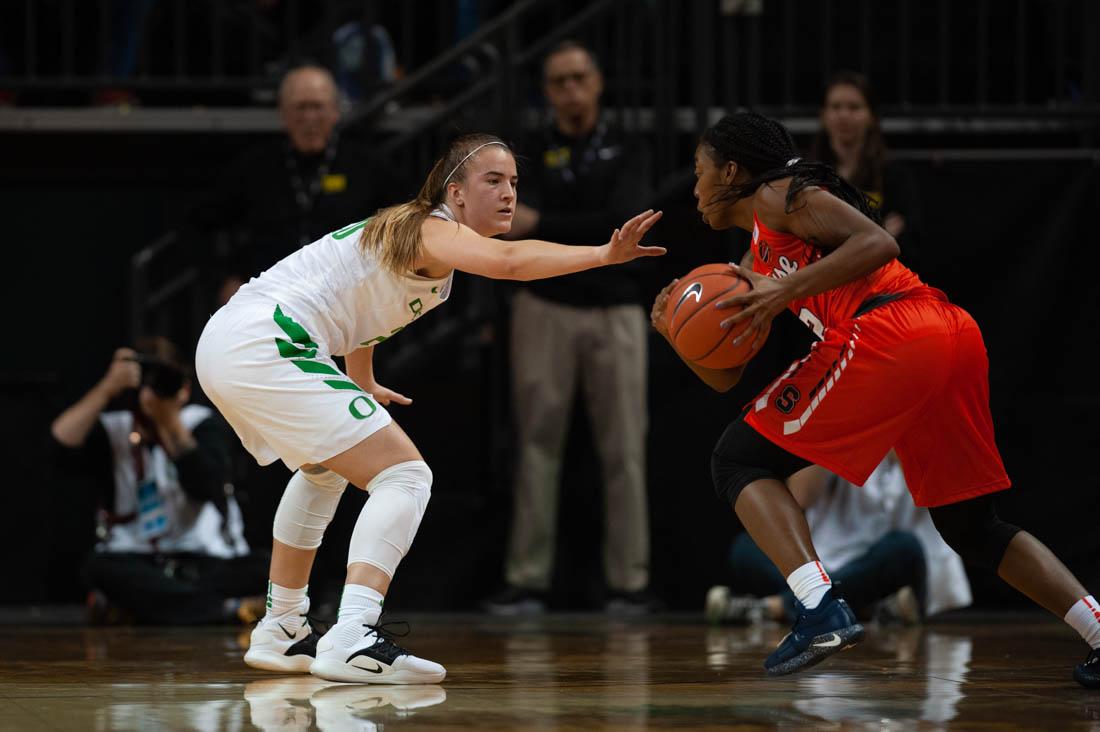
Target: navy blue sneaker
point(1087, 674)
point(817, 634)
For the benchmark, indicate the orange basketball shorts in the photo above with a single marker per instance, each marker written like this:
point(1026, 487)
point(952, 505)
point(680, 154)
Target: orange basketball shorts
point(910, 375)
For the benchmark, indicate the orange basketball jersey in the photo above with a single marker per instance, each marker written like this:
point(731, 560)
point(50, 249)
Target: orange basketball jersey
point(778, 254)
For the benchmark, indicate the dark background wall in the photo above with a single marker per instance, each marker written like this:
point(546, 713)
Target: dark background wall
point(1011, 241)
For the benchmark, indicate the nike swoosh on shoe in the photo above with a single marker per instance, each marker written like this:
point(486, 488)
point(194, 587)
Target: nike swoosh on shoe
point(363, 652)
point(832, 643)
point(376, 670)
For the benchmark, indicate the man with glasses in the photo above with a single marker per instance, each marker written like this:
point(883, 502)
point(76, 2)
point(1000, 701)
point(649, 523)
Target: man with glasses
point(587, 330)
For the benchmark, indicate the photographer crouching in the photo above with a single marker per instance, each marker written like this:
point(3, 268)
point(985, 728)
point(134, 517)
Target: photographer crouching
point(171, 547)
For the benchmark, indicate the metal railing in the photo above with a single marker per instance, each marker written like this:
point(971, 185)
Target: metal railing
point(671, 67)
point(191, 51)
point(158, 299)
point(924, 56)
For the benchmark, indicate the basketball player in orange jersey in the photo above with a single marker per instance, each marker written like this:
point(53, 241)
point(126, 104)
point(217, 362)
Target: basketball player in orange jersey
point(897, 366)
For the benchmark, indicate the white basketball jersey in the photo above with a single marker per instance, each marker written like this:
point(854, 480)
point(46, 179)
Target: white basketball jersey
point(342, 296)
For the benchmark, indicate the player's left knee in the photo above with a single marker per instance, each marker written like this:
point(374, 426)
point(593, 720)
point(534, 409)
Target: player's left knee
point(414, 478)
point(731, 475)
point(391, 516)
point(974, 530)
point(744, 456)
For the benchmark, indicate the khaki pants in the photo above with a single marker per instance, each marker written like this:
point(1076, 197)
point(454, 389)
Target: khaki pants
point(553, 347)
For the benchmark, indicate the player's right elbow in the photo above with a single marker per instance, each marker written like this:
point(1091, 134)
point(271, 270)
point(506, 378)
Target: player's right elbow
point(730, 379)
point(888, 245)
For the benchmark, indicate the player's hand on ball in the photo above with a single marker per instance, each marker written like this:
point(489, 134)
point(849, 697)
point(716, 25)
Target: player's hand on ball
point(386, 396)
point(660, 305)
point(767, 298)
point(625, 242)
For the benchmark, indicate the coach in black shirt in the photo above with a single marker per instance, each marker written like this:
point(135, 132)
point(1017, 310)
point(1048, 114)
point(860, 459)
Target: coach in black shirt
point(575, 189)
point(582, 177)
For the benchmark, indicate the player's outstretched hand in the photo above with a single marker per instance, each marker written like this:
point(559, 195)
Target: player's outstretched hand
point(660, 304)
point(767, 298)
point(625, 242)
point(385, 396)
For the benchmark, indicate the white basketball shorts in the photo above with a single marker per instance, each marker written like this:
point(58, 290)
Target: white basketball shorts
point(280, 391)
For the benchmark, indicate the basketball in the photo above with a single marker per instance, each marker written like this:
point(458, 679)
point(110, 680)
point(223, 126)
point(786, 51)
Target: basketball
point(694, 324)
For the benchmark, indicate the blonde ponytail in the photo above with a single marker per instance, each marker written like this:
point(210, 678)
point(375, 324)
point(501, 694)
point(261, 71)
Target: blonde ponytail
point(393, 234)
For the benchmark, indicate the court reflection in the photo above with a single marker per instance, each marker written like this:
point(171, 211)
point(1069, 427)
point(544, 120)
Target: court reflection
point(576, 676)
point(595, 674)
point(298, 704)
point(934, 667)
point(283, 703)
point(372, 707)
point(559, 673)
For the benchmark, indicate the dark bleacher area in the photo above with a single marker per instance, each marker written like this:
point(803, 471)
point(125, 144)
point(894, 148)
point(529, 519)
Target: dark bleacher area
point(1002, 138)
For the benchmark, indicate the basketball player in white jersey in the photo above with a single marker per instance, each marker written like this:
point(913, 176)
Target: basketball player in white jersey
point(265, 360)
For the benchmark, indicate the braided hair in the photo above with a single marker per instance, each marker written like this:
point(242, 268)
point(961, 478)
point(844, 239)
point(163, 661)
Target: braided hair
point(766, 150)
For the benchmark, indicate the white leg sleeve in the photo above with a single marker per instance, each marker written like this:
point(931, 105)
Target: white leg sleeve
point(389, 519)
point(307, 506)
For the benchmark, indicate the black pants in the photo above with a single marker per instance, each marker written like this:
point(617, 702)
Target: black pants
point(894, 561)
point(174, 589)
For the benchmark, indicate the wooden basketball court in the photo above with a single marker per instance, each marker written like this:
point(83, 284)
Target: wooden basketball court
point(563, 672)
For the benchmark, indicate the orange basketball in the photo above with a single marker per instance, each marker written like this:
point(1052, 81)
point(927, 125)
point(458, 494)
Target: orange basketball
point(694, 324)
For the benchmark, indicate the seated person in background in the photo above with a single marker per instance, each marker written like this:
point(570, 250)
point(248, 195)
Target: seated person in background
point(171, 538)
point(882, 552)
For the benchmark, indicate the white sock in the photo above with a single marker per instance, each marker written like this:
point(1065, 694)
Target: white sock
point(360, 600)
point(1084, 617)
point(809, 583)
point(359, 605)
point(286, 601)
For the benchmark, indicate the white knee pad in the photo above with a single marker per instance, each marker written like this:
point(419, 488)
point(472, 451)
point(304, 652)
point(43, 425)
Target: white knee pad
point(308, 504)
point(389, 519)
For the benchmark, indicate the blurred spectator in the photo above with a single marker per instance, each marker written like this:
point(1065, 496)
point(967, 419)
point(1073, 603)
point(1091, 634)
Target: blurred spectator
point(283, 194)
point(365, 59)
point(585, 177)
point(881, 551)
point(851, 141)
point(127, 28)
point(171, 544)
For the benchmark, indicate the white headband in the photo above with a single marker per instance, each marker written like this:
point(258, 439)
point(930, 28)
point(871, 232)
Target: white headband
point(470, 155)
point(792, 161)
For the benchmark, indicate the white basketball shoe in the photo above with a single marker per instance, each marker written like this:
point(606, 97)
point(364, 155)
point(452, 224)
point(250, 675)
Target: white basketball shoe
point(364, 653)
point(274, 647)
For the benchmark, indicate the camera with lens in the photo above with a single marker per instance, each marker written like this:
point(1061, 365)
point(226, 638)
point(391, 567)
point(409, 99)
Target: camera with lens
point(163, 377)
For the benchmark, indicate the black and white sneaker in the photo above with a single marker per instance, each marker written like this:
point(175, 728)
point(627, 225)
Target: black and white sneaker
point(362, 653)
point(274, 647)
point(1087, 674)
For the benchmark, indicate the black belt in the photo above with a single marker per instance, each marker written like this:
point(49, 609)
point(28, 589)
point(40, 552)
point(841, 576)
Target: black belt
point(876, 301)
